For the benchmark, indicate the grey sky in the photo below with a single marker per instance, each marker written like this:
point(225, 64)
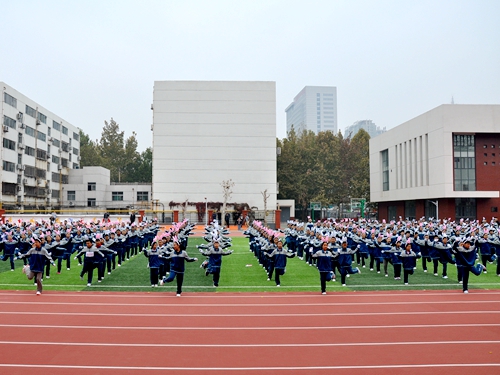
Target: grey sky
point(390, 60)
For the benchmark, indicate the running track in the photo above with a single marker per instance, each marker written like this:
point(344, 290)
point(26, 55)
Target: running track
point(420, 332)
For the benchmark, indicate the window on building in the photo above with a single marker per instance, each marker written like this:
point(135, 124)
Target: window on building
point(10, 122)
point(75, 150)
point(41, 136)
point(29, 171)
point(19, 158)
point(410, 210)
point(76, 136)
point(56, 126)
point(7, 143)
point(55, 159)
point(142, 196)
point(117, 196)
point(464, 162)
point(41, 154)
point(30, 131)
point(56, 142)
point(465, 208)
point(91, 202)
point(10, 100)
point(30, 111)
point(29, 151)
point(55, 193)
point(8, 166)
point(42, 117)
point(494, 209)
point(65, 130)
point(385, 169)
point(64, 179)
point(40, 173)
point(91, 186)
point(64, 162)
point(64, 146)
point(71, 195)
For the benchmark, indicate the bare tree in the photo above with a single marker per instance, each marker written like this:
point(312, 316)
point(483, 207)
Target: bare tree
point(227, 187)
point(265, 196)
point(184, 208)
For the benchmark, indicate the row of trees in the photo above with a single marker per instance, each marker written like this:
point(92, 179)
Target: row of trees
point(326, 168)
point(117, 154)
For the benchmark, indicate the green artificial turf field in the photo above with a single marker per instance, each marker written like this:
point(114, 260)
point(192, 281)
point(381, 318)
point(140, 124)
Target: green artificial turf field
point(240, 273)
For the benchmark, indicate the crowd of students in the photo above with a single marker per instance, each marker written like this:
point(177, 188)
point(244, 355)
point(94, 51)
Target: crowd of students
point(333, 246)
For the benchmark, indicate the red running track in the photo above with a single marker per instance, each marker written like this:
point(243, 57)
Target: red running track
point(420, 332)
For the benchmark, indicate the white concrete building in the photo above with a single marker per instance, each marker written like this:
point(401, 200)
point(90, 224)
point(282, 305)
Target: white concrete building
point(91, 187)
point(444, 163)
point(206, 132)
point(367, 125)
point(39, 149)
point(314, 108)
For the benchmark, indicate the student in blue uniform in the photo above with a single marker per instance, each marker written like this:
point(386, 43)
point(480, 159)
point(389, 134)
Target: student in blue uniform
point(154, 262)
point(465, 255)
point(214, 254)
point(10, 246)
point(279, 256)
point(37, 257)
point(324, 264)
point(89, 262)
point(408, 260)
point(177, 259)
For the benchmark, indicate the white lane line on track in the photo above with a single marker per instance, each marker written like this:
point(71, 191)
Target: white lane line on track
point(370, 294)
point(157, 345)
point(246, 369)
point(40, 301)
point(271, 328)
point(250, 315)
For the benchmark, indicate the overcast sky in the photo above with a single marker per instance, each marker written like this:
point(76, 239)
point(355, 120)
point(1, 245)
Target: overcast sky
point(391, 60)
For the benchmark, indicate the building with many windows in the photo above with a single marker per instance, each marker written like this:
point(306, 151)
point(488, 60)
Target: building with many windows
point(38, 150)
point(314, 108)
point(367, 125)
point(91, 187)
point(444, 163)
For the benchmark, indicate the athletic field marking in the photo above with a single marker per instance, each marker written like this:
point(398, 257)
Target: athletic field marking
point(158, 294)
point(41, 302)
point(270, 328)
point(236, 287)
point(156, 345)
point(297, 368)
point(250, 315)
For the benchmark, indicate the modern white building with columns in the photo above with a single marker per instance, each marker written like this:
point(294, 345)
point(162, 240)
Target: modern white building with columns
point(207, 132)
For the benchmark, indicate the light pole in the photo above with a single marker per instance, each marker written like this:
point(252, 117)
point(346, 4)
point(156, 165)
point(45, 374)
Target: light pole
point(206, 212)
point(436, 203)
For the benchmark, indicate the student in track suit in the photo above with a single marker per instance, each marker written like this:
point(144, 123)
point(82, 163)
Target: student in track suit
point(177, 259)
point(37, 256)
point(408, 260)
point(345, 261)
point(100, 261)
point(88, 262)
point(465, 255)
point(324, 264)
point(154, 262)
point(395, 259)
point(279, 256)
point(214, 254)
point(10, 246)
point(444, 250)
point(110, 244)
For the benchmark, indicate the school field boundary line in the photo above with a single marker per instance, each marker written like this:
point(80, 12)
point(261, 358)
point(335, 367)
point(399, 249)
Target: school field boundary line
point(277, 368)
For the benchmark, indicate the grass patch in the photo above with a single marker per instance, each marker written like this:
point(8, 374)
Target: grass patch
point(240, 273)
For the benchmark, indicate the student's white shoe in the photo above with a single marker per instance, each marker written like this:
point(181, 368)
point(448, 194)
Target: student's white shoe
point(178, 295)
point(38, 292)
point(466, 291)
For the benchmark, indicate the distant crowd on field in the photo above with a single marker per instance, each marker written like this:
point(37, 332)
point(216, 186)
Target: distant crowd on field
point(334, 245)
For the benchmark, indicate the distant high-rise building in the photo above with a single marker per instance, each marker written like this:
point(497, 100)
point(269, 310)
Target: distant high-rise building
point(314, 108)
point(367, 125)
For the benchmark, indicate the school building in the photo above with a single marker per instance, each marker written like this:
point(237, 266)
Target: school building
point(444, 163)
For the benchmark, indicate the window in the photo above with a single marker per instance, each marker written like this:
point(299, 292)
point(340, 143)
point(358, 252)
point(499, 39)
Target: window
point(464, 162)
point(40, 173)
point(64, 179)
point(7, 143)
point(56, 126)
point(55, 159)
point(29, 151)
point(19, 158)
point(91, 202)
point(30, 111)
point(465, 208)
point(75, 166)
point(41, 154)
point(64, 162)
point(9, 122)
point(41, 136)
point(71, 195)
point(65, 130)
point(10, 100)
point(117, 196)
point(91, 186)
point(64, 146)
point(8, 166)
point(75, 151)
point(494, 209)
point(76, 136)
point(142, 196)
point(56, 142)
point(385, 170)
point(42, 117)
point(49, 131)
point(55, 193)
point(29, 171)
point(30, 131)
